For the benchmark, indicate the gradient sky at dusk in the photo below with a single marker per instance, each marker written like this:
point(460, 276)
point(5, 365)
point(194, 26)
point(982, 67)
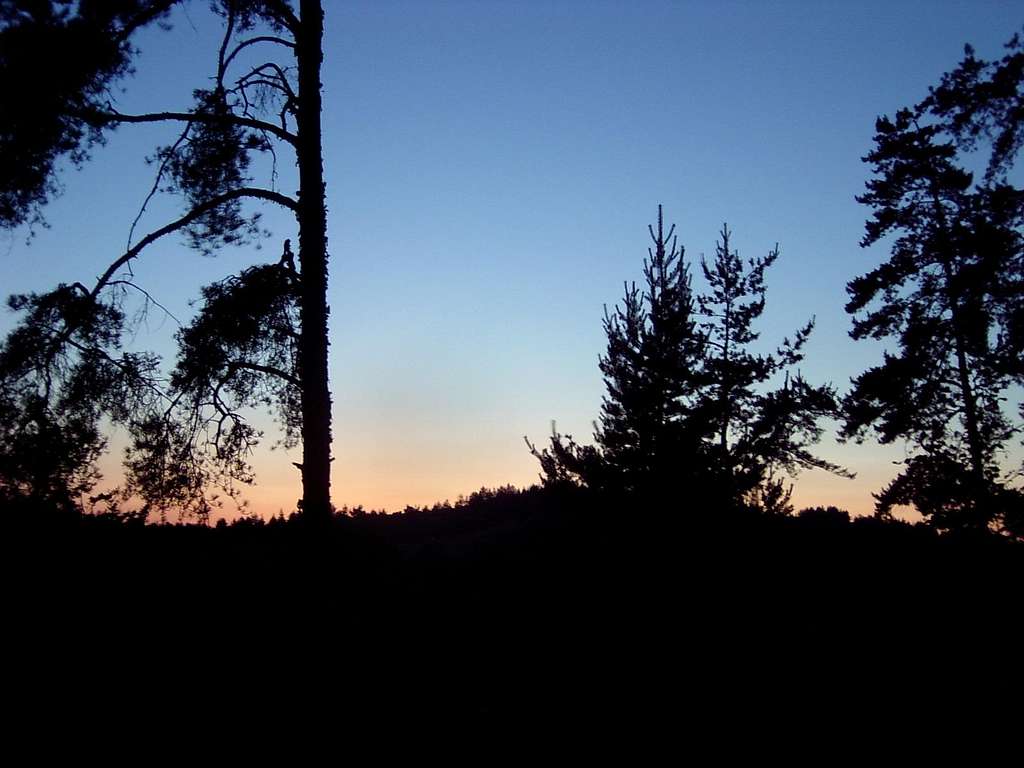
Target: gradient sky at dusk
point(492, 168)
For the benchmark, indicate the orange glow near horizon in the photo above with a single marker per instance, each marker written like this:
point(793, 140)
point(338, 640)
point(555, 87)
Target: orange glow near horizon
point(389, 477)
point(391, 488)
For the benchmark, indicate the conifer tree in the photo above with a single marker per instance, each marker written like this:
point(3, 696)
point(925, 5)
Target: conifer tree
point(264, 98)
point(753, 433)
point(686, 409)
point(949, 296)
point(51, 397)
point(649, 368)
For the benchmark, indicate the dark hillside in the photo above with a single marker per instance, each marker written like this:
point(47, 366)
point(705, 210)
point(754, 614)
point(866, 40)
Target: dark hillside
point(552, 601)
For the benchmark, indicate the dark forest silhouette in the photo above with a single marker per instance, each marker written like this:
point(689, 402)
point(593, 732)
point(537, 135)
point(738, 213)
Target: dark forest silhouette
point(551, 605)
point(671, 537)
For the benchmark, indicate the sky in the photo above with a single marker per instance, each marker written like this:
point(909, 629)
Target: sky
point(491, 171)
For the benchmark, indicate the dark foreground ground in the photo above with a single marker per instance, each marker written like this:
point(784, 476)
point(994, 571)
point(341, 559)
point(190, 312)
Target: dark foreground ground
point(539, 607)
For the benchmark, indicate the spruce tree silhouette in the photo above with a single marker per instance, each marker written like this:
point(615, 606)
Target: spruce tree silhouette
point(58, 108)
point(951, 296)
point(642, 442)
point(755, 433)
point(651, 372)
point(686, 405)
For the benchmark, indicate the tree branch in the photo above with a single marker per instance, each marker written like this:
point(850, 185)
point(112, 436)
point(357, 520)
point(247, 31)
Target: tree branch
point(156, 181)
point(228, 31)
point(149, 383)
point(190, 117)
point(241, 365)
point(251, 77)
point(148, 295)
point(188, 218)
point(253, 41)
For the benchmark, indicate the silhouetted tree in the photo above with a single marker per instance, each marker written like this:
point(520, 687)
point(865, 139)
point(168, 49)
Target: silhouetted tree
point(984, 100)
point(642, 441)
point(685, 406)
point(950, 296)
point(240, 351)
point(57, 106)
point(754, 432)
point(59, 371)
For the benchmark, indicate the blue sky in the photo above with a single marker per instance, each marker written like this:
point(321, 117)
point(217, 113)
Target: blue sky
point(492, 168)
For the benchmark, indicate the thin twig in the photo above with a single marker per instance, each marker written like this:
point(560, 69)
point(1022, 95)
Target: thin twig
point(149, 297)
point(156, 182)
point(254, 41)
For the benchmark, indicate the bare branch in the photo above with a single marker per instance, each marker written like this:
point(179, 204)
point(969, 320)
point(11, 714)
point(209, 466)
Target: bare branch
point(283, 85)
point(253, 41)
point(156, 182)
point(190, 117)
point(275, 84)
point(229, 30)
point(148, 295)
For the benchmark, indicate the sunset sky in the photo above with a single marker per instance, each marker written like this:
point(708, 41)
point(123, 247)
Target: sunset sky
point(491, 171)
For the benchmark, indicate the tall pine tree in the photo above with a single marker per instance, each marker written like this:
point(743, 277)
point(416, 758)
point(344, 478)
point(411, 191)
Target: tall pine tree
point(950, 296)
point(263, 99)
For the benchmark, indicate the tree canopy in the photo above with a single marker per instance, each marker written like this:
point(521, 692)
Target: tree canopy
point(690, 408)
point(60, 371)
point(261, 336)
point(949, 295)
point(757, 429)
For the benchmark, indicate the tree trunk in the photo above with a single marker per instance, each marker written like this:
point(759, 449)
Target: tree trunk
point(312, 218)
point(972, 420)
